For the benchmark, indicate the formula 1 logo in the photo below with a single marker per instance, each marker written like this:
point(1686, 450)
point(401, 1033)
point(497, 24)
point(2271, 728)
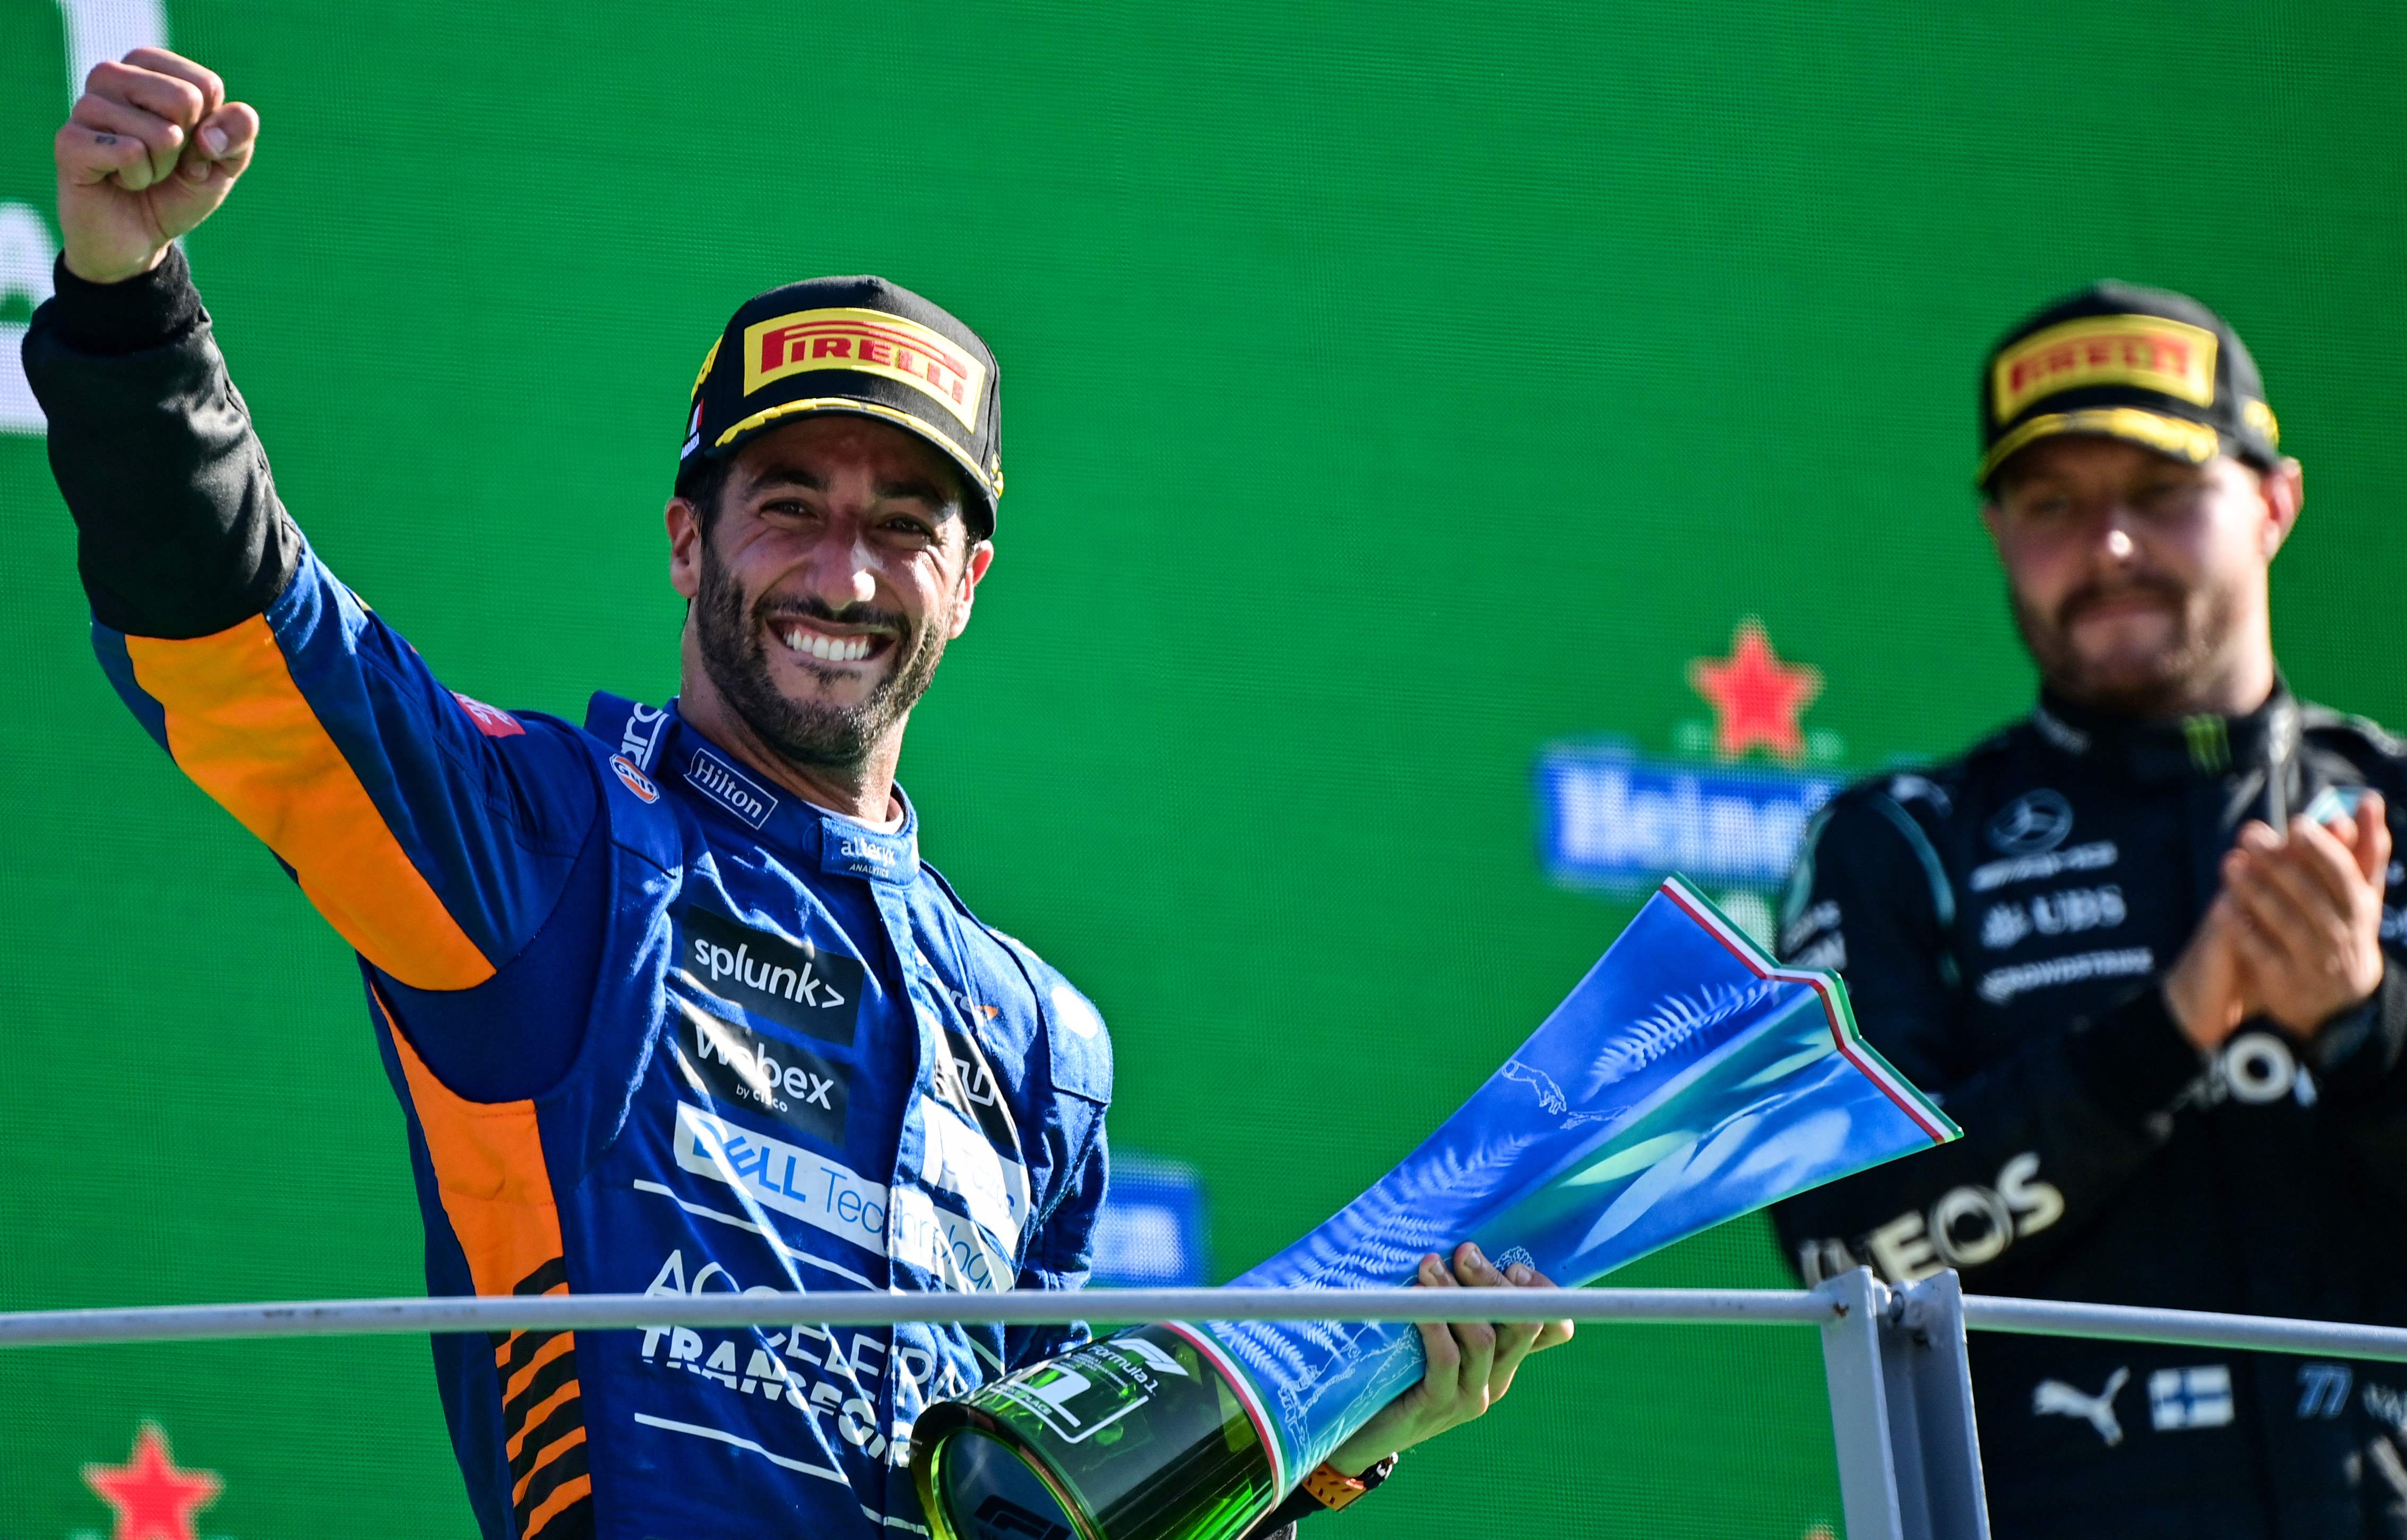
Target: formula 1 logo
point(90, 31)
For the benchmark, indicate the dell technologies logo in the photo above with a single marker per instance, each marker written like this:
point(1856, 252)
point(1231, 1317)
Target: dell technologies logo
point(807, 988)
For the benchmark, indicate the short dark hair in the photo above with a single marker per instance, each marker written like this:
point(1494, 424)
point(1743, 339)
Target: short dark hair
point(703, 481)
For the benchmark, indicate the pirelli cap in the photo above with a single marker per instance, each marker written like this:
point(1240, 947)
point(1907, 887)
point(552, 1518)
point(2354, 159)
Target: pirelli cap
point(861, 346)
point(2147, 366)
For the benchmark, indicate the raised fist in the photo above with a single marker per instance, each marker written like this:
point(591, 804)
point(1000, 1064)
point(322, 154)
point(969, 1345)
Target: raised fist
point(150, 150)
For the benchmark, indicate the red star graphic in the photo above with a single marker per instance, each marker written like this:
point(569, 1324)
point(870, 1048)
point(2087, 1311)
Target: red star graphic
point(1757, 698)
point(154, 1501)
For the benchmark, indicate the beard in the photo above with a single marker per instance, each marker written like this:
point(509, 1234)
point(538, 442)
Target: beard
point(733, 638)
point(2167, 682)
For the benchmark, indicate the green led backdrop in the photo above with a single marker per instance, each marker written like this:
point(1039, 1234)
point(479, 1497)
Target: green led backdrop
point(1393, 394)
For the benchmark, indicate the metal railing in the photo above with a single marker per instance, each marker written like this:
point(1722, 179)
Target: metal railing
point(1893, 1358)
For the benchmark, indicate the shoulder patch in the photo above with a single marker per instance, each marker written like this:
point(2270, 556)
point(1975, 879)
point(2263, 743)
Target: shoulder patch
point(2324, 722)
point(645, 826)
point(1079, 1044)
point(1913, 788)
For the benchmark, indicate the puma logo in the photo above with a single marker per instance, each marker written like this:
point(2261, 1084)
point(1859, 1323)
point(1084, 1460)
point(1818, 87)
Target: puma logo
point(2055, 1398)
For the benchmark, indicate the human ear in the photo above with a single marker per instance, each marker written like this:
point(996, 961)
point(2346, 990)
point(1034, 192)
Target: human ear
point(2282, 489)
point(684, 521)
point(974, 564)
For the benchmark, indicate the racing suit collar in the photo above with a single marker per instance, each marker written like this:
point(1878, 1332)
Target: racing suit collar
point(2205, 745)
point(661, 744)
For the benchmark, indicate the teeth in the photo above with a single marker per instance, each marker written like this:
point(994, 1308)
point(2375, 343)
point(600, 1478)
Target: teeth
point(833, 649)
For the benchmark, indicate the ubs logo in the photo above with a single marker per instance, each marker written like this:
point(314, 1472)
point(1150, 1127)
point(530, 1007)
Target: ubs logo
point(2032, 823)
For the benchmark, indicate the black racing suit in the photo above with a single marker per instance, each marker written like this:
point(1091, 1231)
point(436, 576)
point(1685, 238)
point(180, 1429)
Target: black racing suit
point(2004, 924)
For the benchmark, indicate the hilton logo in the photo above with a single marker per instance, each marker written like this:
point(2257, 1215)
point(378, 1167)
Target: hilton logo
point(731, 787)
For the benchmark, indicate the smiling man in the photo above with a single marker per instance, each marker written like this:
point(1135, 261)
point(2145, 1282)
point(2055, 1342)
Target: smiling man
point(671, 1002)
point(2138, 943)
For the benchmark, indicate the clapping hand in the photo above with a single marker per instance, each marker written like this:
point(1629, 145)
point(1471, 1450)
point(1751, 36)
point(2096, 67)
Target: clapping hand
point(2306, 914)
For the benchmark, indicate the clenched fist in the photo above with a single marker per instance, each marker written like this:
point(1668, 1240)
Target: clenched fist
point(150, 150)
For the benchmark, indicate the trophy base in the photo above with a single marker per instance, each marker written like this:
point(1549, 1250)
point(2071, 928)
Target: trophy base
point(1142, 1436)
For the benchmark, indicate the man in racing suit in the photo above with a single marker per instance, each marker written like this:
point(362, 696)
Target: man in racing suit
point(2151, 989)
point(671, 1002)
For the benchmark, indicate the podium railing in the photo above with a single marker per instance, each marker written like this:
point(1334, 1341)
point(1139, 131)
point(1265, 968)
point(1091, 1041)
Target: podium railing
point(1893, 1358)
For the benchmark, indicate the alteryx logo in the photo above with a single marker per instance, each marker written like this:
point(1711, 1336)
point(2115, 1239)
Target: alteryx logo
point(869, 851)
point(1610, 818)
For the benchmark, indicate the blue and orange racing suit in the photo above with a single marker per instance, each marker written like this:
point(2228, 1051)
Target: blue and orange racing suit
point(656, 1025)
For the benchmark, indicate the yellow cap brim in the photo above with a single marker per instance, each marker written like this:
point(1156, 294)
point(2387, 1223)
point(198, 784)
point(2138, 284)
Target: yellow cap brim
point(990, 486)
point(2175, 438)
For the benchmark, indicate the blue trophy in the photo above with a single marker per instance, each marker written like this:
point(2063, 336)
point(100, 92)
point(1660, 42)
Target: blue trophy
point(1686, 1080)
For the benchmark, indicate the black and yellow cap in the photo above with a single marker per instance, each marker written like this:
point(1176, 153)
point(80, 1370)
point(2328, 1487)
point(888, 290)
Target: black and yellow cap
point(860, 346)
point(2156, 368)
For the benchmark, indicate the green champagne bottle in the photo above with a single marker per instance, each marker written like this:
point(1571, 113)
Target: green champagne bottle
point(1138, 1435)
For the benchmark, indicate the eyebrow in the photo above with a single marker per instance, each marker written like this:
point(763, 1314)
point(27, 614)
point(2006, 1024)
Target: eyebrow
point(931, 493)
point(787, 476)
point(925, 490)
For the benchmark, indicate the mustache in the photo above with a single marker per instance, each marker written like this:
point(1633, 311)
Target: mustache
point(772, 609)
point(2091, 595)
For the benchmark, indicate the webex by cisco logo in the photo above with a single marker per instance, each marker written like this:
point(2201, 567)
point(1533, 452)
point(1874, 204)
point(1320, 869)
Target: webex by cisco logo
point(809, 988)
point(741, 1069)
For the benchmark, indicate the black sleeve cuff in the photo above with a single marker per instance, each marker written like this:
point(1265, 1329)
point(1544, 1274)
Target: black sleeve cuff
point(2133, 1061)
point(146, 311)
point(2356, 1052)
